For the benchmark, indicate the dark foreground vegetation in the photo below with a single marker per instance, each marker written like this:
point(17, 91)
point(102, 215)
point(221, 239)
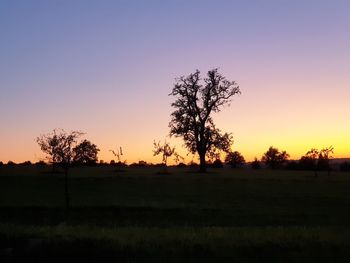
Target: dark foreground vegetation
point(137, 215)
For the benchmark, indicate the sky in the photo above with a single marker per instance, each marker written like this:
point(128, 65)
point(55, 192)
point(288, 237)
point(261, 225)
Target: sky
point(106, 68)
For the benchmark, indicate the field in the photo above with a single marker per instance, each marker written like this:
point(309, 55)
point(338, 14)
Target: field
point(138, 215)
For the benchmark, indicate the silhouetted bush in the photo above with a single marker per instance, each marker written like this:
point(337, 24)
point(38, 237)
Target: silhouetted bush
point(140, 164)
point(216, 164)
point(255, 164)
point(1, 163)
point(193, 164)
point(26, 163)
point(345, 167)
point(10, 163)
point(40, 163)
point(121, 164)
point(181, 165)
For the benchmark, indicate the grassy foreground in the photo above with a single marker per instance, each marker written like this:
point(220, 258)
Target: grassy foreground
point(139, 216)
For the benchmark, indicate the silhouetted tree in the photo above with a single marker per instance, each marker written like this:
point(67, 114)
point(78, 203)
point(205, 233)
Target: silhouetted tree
point(196, 100)
point(324, 159)
point(166, 151)
point(11, 163)
point(274, 158)
point(85, 153)
point(59, 145)
point(1, 163)
point(119, 153)
point(255, 164)
point(217, 164)
point(140, 164)
point(310, 161)
point(235, 159)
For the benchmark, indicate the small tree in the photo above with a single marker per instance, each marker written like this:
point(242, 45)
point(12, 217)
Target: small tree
point(235, 159)
point(85, 153)
point(324, 159)
point(255, 164)
point(274, 158)
point(166, 151)
point(310, 160)
point(196, 101)
point(58, 146)
point(118, 153)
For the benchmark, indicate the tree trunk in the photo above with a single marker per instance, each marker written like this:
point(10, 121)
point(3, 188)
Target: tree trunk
point(202, 165)
point(66, 190)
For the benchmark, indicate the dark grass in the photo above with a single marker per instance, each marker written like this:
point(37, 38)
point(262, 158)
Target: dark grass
point(140, 215)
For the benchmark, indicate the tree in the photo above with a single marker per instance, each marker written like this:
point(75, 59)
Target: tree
point(118, 153)
point(235, 159)
point(274, 158)
point(324, 159)
point(85, 153)
point(196, 101)
point(166, 151)
point(255, 164)
point(310, 160)
point(58, 146)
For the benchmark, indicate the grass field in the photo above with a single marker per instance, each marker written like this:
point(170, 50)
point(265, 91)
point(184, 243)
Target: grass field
point(140, 216)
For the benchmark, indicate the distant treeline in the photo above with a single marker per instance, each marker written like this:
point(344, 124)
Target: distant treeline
point(301, 165)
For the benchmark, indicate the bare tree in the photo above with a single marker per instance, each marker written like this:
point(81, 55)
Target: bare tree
point(118, 153)
point(196, 100)
point(59, 145)
point(166, 151)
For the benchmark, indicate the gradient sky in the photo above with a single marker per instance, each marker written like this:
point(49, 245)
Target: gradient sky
point(107, 67)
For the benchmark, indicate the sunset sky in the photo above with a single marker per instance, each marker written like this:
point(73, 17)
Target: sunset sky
point(107, 67)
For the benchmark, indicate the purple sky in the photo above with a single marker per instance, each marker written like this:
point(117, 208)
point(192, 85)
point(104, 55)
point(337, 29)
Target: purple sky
point(107, 67)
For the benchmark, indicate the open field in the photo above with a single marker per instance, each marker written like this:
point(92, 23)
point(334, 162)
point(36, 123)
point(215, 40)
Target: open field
point(138, 216)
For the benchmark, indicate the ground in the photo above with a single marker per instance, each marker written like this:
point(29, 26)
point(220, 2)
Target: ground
point(139, 215)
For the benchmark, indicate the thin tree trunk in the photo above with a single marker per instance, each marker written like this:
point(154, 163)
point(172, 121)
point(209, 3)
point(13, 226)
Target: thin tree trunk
point(202, 165)
point(66, 189)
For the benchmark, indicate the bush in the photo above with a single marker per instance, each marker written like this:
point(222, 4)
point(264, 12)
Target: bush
point(26, 163)
point(40, 163)
point(255, 164)
point(217, 164)
point(181, 165)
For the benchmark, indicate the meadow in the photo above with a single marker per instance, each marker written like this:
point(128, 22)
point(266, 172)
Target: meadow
point(139, 215)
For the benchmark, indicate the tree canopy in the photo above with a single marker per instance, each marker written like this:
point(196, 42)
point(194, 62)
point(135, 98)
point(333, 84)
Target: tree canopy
point(274, 158)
